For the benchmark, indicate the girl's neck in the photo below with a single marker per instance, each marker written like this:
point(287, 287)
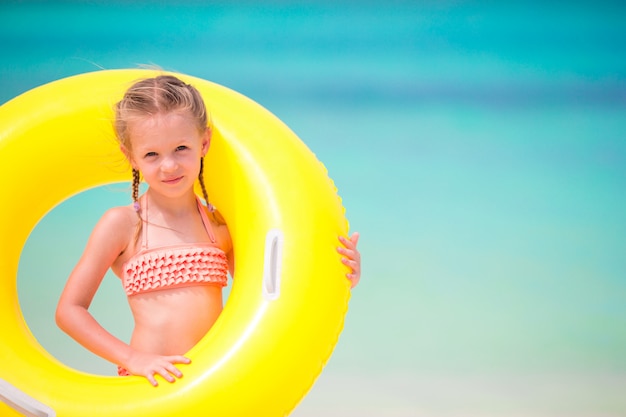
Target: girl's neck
point(180, 206)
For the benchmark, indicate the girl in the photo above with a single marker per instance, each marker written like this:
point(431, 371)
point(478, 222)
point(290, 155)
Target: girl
point(161, 124)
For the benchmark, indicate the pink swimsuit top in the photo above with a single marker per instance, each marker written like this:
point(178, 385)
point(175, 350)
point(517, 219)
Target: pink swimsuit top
point(176, 265)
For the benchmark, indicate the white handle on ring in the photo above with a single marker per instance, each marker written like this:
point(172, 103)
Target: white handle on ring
point(272, 264)
point(22, 402)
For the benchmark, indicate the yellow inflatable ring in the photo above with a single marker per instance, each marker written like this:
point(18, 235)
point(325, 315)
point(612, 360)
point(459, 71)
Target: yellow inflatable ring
point(289, 296)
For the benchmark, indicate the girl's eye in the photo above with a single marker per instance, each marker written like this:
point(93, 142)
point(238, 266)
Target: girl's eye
point(150, 154)
point(181, 148)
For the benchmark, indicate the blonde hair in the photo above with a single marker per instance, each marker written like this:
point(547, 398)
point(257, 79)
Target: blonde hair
point(159, 95)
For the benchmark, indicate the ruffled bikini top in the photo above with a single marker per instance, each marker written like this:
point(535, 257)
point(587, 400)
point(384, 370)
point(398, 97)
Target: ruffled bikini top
point(174, 266)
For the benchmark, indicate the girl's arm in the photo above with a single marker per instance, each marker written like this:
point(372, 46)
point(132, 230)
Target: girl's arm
point(231, 263)
point(105, 244)
point(225, 241)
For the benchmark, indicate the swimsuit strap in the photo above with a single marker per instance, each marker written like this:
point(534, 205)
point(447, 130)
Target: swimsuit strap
point(144, 240)
point(205, 221)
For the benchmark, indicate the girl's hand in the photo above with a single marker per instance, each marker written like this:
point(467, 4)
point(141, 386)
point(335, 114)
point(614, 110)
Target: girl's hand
point(149, 365)
point(352, 257)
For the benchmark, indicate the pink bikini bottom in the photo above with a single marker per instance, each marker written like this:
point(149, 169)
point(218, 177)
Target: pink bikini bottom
point(122, 372)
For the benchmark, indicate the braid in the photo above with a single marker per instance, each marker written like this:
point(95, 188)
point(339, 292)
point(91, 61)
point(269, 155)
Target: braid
point(136, 182)
point(201, 180)
point(216, 216)
point(136, 206)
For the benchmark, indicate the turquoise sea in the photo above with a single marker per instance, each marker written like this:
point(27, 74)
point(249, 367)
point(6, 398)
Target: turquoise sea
point(479, 148)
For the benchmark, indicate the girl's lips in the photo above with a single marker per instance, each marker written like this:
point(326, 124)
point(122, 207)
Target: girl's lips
point(173, 180)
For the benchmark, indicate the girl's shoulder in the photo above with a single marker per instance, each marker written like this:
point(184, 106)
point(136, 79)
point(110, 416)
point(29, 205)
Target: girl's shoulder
point(116, 230)
point(116, 226)
point(120, 218)
point(109, 239)
point(220, 228)
point(217, 217)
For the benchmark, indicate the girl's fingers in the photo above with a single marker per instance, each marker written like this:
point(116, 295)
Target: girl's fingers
point(354, 239)
point(352, 257)
point(179, 359)
point(350, 243)
point(168, 371)
point(152, 380)
point(167, 376)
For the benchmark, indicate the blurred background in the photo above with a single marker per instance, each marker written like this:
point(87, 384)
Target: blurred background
point(479, 148)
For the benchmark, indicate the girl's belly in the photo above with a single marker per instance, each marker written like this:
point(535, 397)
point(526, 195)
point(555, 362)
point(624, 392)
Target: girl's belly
point(170, 322)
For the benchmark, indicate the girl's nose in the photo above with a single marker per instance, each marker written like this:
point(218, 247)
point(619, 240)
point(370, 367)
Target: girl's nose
point(169, 165)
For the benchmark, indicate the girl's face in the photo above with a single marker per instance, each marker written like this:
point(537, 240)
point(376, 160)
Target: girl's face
point(166, 149)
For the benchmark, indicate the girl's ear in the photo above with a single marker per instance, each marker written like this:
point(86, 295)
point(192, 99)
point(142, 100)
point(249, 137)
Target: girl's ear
point(206, 141)
point(128, 156)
